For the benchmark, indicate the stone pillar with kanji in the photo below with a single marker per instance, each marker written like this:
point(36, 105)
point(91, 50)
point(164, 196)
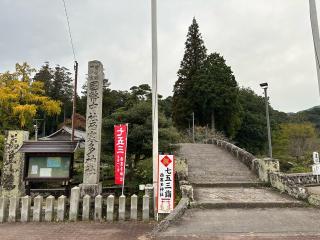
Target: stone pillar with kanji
point(91, 177)
point(12, 184)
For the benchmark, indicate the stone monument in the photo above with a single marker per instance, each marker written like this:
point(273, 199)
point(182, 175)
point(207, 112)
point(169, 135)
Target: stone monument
point(91, 175)
point(13, 164)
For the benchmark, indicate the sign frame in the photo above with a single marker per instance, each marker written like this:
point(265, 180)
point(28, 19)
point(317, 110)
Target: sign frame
point(172, 199)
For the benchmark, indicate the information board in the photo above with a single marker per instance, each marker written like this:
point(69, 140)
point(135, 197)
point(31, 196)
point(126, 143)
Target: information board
point(49, 167)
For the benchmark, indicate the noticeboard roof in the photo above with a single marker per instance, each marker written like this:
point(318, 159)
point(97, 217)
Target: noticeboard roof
point(64, 134)
point(49, 147)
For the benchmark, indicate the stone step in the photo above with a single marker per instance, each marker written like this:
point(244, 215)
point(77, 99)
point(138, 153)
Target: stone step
point(243, 205)
point(256, 184)
point(242, 197)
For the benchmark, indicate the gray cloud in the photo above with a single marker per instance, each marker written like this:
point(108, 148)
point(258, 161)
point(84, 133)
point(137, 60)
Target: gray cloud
point(262, 40)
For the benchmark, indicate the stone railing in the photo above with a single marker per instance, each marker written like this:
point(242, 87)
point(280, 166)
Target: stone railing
point(85, 209)
point(294, 183)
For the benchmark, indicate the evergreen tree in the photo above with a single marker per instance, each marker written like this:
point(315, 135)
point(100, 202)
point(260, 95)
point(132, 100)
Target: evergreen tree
point(58, 86)
point(194, 56)
point(216, 95)
point(252, 134)
point(62, 88)
point(45, 75)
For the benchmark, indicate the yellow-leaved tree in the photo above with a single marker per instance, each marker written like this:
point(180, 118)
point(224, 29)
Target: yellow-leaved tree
point(22, 98)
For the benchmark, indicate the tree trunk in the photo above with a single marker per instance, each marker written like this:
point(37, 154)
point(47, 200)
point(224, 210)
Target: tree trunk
point(212, 122)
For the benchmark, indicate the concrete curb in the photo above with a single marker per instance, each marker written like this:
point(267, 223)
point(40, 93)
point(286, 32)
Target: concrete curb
point(172, 217)
point(232, 184)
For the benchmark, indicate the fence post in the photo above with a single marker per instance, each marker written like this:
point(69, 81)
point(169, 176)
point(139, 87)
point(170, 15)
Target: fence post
point(145, 208)
point(61, 209)
point(86, 208)
point(98, 208)
point(110, 208)
point(48, 217)
point(3, 209)
point(13, 209)
point(25, 208)
point(122, 207)
point(37, 208)
point(134, 207)
point(74, 204)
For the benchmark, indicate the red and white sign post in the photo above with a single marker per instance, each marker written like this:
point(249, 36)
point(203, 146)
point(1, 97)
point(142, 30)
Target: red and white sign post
point(165, 196)
point(120, 150)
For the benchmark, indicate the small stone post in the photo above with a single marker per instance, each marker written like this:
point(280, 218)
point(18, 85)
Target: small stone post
point(13, 209)
point(25, 208)
point(98, 208)
point(110, 208)
point(48, 217)
point(187, 191)
point(86, 208)
point(91, 176)
point(150, 191)
point(74, 204)
point(37, 208)
point(266, 166)
point(13, 164)
point(61, 209)
point(3, 209)
point(122, 207)
point(134, 207)
point(145, 208)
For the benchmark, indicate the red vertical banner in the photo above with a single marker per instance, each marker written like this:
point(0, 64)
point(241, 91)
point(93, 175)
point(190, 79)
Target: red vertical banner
point(120, 149)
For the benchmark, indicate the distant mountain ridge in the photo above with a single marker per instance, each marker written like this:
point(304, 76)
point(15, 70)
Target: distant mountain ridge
point(310, 115)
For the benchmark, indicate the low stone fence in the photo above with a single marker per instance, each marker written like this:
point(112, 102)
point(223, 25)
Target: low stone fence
point(98, 209)
point(296, 185)
point(293, 183)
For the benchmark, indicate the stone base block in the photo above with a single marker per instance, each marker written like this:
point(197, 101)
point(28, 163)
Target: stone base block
point(90, 189)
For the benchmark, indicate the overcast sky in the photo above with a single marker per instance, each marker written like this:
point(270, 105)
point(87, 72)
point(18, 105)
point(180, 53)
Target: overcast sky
point(262, 40)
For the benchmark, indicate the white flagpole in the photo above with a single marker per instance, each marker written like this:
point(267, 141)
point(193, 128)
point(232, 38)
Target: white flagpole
point(154, 101)
point(315, 34)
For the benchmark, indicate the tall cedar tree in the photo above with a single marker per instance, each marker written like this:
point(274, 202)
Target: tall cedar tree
point(194, 56)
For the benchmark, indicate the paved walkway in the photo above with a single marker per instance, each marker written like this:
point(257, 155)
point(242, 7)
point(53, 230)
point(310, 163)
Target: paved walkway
point(231, 203)
point(74, 231)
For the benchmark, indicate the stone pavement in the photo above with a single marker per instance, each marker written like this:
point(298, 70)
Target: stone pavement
point(231, 203)
point(75, 231)
point(211, 164)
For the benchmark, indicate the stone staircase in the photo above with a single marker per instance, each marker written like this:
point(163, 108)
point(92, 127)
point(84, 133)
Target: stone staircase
point(230, 200)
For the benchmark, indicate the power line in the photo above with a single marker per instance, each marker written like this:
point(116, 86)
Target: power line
point(69, 29)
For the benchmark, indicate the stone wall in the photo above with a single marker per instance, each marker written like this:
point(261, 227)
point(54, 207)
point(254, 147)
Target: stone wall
point(294, 184)
point(99, 209)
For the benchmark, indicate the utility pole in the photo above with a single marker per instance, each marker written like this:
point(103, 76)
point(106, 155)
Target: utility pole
point(155, 150)
point(74, 98)
point(193, 139)
point(315, 35)
point(265, 87)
